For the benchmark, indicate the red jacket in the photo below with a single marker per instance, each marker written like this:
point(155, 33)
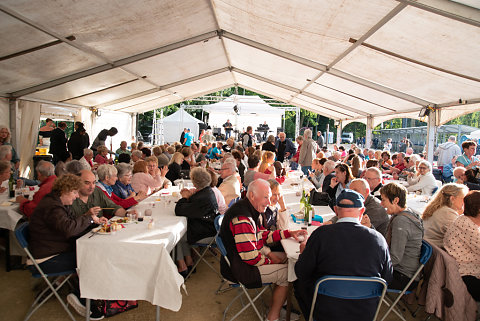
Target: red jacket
point(125, 203)
point(27, 207)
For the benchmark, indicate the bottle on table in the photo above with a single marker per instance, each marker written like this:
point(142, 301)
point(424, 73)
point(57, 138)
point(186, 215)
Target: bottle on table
point(11, 186)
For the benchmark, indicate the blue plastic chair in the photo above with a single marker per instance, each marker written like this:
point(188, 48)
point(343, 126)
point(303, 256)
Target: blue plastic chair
point(21, 233)
point(350, 287)
point(233, 201)
point(241, 288)
point(425, 254)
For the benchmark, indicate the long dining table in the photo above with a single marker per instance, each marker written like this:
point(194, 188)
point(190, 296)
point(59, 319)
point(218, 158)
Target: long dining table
point(134, 263)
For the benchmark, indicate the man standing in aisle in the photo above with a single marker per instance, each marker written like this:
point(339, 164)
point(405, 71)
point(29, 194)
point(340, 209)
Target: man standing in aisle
point(102, 137)
point(247, 137)
point(285, 147)
point(331, 250)
point(320, 140)
point(228, 129)
point(58, 142)
point(188, 138)
point(447, 151)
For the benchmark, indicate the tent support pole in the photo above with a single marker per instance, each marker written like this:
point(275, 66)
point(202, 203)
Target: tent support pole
point(13, 104)
point(297, 122)
point(431, 123)
point(368, 133)
point(339, 132)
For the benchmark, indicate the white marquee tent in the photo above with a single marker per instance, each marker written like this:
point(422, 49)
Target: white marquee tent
point(252, 111)
point(174, 124)
point(354, 60)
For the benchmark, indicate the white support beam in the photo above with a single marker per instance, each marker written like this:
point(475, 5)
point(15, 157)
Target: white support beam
point(321, 67)
point(359, 42)
point(164, 87)
point(297, 122)
point(459, 102)
point(290, 88)
point(115, 64)
point(431, 132)
point(14, 130)
point(368, 136)
point(456, 11)
point(339, 133)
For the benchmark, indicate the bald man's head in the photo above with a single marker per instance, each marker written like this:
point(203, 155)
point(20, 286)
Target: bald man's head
point(361, 186)
point(88, 183)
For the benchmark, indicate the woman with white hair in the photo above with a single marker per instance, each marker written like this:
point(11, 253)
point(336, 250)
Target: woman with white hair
point(107, 177)
point(308, 152)
point(424, 182)
point(5, 140)
point(86, 159)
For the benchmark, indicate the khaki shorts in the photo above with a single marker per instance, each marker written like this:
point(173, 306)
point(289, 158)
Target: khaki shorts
point(275, 273)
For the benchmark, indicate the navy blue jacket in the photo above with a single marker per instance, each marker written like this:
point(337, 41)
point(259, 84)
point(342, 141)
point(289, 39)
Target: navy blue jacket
point(347, 249)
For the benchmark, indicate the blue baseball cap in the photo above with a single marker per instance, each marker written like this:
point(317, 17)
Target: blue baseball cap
point(355, 197)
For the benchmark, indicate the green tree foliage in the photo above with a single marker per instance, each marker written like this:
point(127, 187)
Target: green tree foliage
point(472, 119)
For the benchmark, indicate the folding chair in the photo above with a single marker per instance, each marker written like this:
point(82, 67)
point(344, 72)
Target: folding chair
point(425, 254)
point(206, 247)
point(241, 288)
point(350, 287)
point(21, 233)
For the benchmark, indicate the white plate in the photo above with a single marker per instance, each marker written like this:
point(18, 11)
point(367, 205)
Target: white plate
point(97, 231)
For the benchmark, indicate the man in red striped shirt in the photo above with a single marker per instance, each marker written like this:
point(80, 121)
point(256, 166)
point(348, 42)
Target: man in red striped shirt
point(251, 261)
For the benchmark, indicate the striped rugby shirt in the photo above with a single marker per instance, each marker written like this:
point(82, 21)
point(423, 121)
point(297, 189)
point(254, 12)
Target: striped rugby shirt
point(250, 241)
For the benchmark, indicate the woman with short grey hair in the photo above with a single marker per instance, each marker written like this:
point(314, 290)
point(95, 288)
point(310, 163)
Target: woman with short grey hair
point(424, 182)
point(107, 177)
point(200, 179)
point(200, 207)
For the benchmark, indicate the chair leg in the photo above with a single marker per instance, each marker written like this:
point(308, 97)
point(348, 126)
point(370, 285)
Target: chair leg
point(220, 290)
point(53, 291)
point(202, 258)
point(392, 308)
point(252, 303)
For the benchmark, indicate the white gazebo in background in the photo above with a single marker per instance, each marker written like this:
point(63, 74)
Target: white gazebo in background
point(244, 111)
point(174, 124)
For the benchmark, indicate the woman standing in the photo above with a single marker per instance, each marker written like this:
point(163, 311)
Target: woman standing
point(307, 152)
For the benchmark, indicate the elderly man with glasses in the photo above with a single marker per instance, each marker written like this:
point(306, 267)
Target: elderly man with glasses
point(230, 186)
point(374, 178)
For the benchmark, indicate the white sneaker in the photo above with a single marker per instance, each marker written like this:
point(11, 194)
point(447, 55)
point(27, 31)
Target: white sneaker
point(293, 316)
point(73, 300)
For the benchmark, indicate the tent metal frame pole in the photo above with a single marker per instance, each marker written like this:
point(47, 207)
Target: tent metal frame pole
point(116, 64)
point(321, 67)
point(297, 122)
point(368, 133)
point(431, 133)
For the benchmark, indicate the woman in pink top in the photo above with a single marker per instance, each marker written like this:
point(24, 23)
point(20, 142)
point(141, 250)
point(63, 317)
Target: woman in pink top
point(101, 157)
point(147, 177)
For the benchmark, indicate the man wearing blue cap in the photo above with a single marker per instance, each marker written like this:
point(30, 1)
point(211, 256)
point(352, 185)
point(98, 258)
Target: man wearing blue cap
point(346, 248)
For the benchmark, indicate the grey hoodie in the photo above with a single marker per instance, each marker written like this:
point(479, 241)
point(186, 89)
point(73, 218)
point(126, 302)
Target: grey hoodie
point(406, 243)
point(446, 152)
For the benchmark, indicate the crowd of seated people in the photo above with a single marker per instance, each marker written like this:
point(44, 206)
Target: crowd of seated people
point(96, 189)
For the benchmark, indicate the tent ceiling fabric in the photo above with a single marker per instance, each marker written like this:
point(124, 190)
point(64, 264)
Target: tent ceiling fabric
point(347, 61)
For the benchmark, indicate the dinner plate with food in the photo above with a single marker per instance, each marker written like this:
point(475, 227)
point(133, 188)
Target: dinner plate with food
point(107, 229)
point(121, 220)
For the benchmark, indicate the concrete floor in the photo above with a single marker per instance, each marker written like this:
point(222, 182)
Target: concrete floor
point(200, 304)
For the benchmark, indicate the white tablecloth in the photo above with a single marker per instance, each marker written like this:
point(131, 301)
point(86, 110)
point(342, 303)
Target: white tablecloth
point(135, 263)
point(9, 216)
point(292, 201)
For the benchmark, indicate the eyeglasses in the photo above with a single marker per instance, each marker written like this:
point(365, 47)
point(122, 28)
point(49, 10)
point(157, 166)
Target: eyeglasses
point(422, 167)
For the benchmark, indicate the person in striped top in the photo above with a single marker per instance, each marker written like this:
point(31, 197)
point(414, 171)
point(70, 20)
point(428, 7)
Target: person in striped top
point(251, 260)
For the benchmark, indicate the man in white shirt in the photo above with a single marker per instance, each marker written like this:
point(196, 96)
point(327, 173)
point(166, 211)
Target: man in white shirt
point(230, 186)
